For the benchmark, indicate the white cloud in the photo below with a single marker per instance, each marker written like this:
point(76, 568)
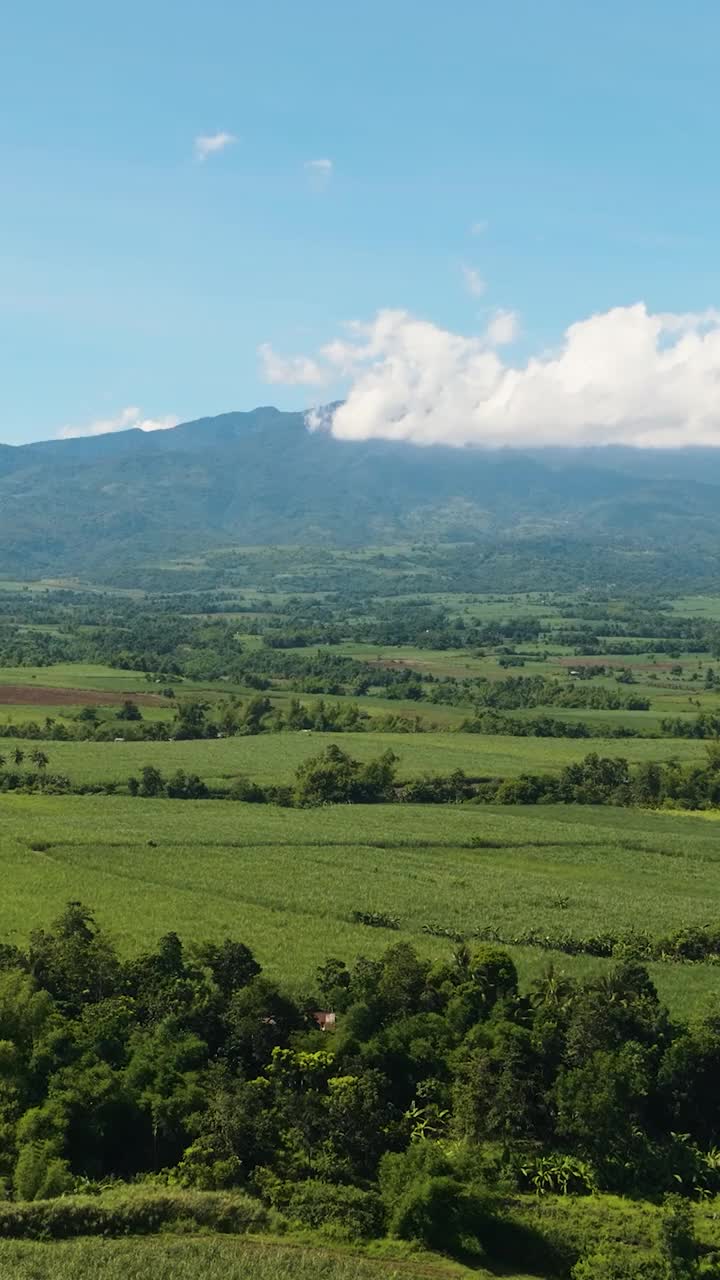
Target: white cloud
point(206, 144)
point(319, 171)
point(474, 282)
point(126, 420)
point(502, 329)
point(294, 371)
point(624, 376)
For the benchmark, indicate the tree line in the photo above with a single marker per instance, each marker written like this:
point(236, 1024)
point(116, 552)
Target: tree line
point(236, 717)
point(333, 776)
point(228, 717)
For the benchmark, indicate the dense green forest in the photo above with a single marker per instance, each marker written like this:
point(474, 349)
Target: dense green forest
point(116, 505)
point(432, 1092)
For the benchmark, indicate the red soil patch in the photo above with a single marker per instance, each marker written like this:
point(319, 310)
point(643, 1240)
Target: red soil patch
point(40, 696)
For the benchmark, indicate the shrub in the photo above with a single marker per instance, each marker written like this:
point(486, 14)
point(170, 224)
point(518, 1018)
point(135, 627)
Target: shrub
point(186, 786)
point(437, 790)
point(426, 1201)
point(557, 1175)
point(493, 969)
point(333, 777)
point(677, 1240)
point(129, 711)
point(618, 1262)
point(40, 1173)
point(398, 1169)
point(201, 1170)
point(375, 919)
point(322, 1205)
point(440, 1213)
point(246, 790)
point(152, 782)
point(139, 1213)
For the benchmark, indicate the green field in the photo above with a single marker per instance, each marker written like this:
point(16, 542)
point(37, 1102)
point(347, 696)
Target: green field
point(286, 881)
point(216, 1258)
point(75, 675)
point(698, 606)
point(274, 757)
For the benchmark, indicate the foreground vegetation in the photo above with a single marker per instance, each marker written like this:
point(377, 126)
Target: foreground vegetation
point(214, 1258)
point(614, 1235)
point(397, 1098)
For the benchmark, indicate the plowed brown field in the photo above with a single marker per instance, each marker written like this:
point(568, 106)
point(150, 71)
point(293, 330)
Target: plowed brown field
point(42, 696)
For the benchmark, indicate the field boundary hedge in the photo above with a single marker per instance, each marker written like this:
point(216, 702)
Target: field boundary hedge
point(134, 1214)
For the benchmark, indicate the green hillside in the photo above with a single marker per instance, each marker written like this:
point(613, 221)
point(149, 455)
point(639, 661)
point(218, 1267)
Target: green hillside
point(262, 478)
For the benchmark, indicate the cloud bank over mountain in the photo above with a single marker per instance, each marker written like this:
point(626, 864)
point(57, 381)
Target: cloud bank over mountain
point(127, 419)
point(626, 376)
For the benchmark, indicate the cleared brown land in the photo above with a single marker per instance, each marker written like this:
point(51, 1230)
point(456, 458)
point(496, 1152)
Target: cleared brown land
point(42, 696)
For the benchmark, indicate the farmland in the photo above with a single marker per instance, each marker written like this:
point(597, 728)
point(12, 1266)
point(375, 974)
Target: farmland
point(136, 728)
point(274, 758)
point(292, 879)
point(288, 881)
point(218, 1258)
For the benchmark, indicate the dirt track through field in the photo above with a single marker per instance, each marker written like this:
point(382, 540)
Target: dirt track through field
point(42, 696)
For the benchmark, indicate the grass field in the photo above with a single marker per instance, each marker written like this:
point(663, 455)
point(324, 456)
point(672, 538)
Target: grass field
point(215, 1258)
point(75, 675)
point(697, 606)
point(286, 881)
point(275, 757)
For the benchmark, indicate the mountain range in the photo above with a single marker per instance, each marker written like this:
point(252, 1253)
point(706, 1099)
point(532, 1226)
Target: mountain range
point(261, 478)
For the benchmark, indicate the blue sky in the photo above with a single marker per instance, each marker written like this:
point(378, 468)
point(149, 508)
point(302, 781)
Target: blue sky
point(565, 152)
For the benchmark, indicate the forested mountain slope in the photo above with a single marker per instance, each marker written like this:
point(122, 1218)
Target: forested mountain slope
point(261, 478)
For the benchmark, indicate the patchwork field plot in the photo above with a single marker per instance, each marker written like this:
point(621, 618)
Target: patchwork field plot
point(33, 695)
point(73, 675)
point(287, 881)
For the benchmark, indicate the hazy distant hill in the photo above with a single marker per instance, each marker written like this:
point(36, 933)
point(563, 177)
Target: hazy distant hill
point(261, 477)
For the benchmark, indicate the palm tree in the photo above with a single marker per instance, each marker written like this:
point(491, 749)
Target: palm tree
point(39, 758)
point(18, 755)
point(552, 988)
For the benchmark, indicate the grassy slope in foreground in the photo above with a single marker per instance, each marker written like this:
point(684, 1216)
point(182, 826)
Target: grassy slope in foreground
point(575, 1225)
point(286, 881)
point(213, 1258)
